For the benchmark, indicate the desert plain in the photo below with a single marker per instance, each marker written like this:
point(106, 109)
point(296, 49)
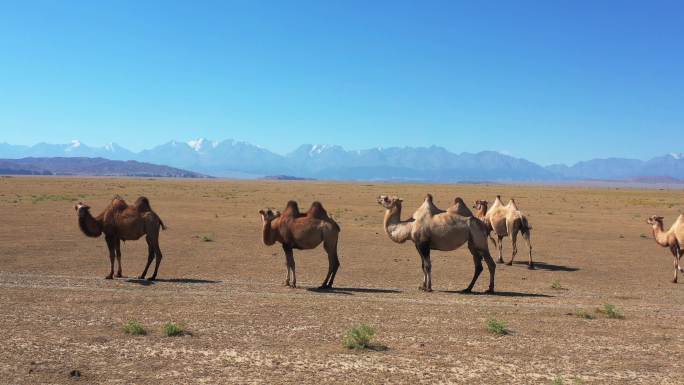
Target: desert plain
point(59, 315)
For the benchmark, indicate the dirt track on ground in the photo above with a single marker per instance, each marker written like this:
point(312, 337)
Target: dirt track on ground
point(58, 314)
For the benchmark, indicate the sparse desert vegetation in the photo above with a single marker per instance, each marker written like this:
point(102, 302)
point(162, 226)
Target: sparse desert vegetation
point(134, 328)
point(173, 329)
point(359, 337)
point(497, 327)
point(61, 315)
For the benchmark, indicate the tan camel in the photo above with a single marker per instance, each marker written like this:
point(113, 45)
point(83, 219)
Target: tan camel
point(295, 230)
point(672, 239)
point(503, 221)
point(123, 222)
point(433, 229)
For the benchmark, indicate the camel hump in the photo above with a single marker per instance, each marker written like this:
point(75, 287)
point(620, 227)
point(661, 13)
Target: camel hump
point(291, 209)
point(512, 204)
point(461, 208)
point(143, 204)
point(118, 203)
point(317, 211)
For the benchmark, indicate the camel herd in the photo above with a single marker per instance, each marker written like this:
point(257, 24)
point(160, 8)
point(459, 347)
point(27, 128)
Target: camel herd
point(430, 228)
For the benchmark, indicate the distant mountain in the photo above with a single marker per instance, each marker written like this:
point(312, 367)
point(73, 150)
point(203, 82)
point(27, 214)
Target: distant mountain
point(230, 158)
point(82, 166)
point(667, 166)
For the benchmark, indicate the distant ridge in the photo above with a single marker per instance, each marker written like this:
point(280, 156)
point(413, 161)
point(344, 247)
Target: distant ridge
point(285, 177)
point(235, 159)
point(82, 166)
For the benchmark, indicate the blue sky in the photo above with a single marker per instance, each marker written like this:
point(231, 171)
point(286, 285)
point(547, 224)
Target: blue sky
point(550, 81)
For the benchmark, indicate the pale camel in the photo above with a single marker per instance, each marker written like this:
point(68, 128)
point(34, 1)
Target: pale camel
point(295, 230)
point(123, 222)
point(433, 229)
point(503, 221)
point(672, 239)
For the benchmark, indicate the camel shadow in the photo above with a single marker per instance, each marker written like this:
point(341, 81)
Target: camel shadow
point(352, 290)
point(500, 294)
point(145, 282)
point(548, 266)
point(186, 280)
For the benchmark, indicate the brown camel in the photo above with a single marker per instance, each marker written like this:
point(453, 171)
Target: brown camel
point(503, 221)
point(295, 230)
point(433, 229)
point(672, 239)
point(123, 222)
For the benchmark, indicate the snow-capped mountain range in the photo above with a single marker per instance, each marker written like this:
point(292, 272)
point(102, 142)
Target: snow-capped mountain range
point(241, 159)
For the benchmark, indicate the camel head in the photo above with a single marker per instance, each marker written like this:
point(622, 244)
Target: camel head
point(480, 204)
point(269, 214)
point(81, 208)
point(389, 202)
point(655, 220)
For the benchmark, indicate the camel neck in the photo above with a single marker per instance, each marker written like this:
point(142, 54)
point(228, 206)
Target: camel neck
point(660, 235)
point(90, 226)
point(397, 230)
point(482, 212)
point(269, 233)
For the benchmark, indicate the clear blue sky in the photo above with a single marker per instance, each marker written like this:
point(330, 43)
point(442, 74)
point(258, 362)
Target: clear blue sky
point(551, 81)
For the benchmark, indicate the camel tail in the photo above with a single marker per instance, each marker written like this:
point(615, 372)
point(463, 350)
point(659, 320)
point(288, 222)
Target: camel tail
point(163, 226)
point(525, 226)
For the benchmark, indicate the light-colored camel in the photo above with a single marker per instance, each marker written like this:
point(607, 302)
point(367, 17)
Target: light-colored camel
point(295, 230)
point(123, 222)
point(433, 229)
point(503, 221)
point(672, 239)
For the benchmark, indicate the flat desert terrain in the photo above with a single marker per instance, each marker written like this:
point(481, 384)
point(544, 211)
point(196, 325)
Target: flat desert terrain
point(58, 314)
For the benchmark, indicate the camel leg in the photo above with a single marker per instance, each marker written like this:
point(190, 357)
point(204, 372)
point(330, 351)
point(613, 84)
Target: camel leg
point(477, 261)
point(499, 245)
point(491, 266)
point(424, 251)
point(333, 264)
point(118, 257)
point(157, 259)
point(514, 243)
point(526, 237)
point(675, 251)
point(289, 258)
point(150, 256)
point(112, 254)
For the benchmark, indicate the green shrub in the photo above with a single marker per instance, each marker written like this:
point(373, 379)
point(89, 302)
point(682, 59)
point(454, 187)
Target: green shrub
point(556, 285)
point(610, 311)
point(497, 327)
point(171, 329)
point(135, 328)
point(358, 337)
point(584, 314)
point(207, 238)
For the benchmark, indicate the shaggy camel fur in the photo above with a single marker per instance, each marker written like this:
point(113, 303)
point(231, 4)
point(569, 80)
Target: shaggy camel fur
point(295, 230)
point(123, 222)
point(503, 221)
point(433, 229)
point(672, 239)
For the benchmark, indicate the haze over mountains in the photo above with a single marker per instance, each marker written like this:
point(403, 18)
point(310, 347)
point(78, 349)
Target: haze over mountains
point(231, 158)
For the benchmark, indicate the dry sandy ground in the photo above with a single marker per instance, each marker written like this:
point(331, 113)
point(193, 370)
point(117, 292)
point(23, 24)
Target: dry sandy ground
point(58, 314)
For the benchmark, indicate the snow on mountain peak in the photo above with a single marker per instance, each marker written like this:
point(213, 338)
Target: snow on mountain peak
point(319, 148)
point(198, 144)
point(74, 144)
point(677, 155)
